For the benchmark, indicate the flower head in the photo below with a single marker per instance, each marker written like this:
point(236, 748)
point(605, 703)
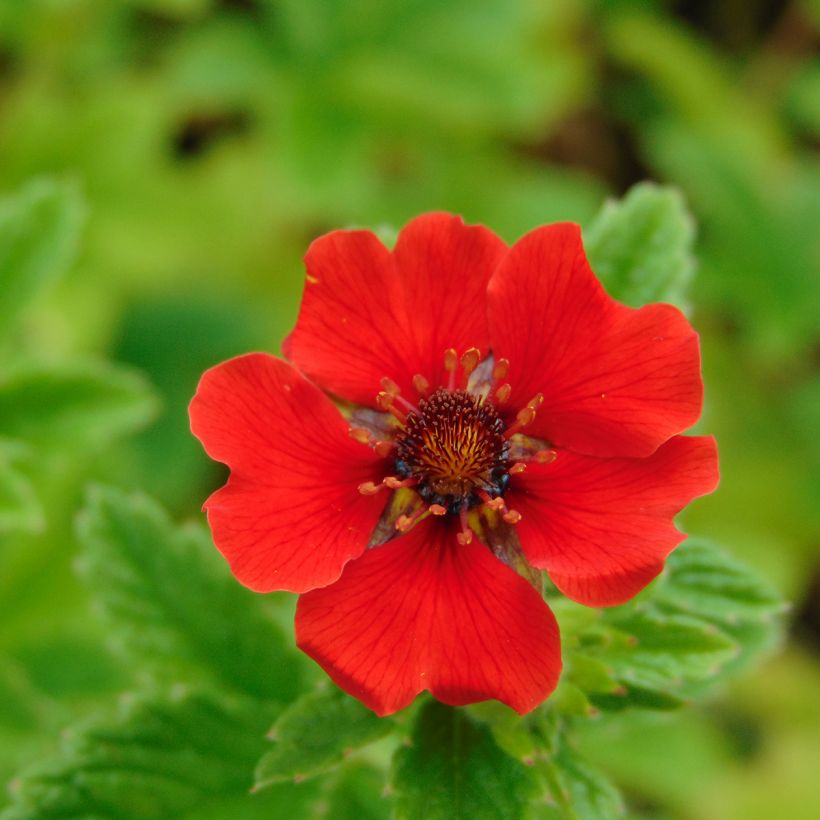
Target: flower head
point(453, 417)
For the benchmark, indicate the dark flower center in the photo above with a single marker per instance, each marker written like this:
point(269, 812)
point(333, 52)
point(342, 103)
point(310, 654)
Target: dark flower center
point(454, 446)
point(452, 451)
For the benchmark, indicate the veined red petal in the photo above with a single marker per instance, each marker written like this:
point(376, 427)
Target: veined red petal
point(445, 266)
point(423, 612)
point(603, 527)
point(616, 381)
point(368, 313)
point(352, 328)
point(290, 516)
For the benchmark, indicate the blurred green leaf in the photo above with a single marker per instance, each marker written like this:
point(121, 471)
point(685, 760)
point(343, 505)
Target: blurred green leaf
point(453, 768)
point(19, 507)
point(705, 617)
point(641, 246)
point(316, 733)
point(160, 756)
point(702, 580)
point(39, 228)
point(73, 406)
point(171, 601)
point(581, 791)
point(665, 651)
point(358, 793)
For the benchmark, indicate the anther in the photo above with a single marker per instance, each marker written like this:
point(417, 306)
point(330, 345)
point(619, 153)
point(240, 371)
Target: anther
point(394, 391)
point(384, 401)
point(405, 522)
point(545, 456)
point(437, 509)
point(421, 384)
point(516, 468)
point(524, 416)
point(502, 395)
point(390, 386)
point(512, 516)
point(359, 434)
point(369, 488)
point(396, 483)
point(470, 360)
point(502, 367)
point(491, 503)
point(466, 534)
point(384, 448)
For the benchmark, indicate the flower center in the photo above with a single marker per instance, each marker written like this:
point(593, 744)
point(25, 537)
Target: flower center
point(453, 450)
point(454, 445)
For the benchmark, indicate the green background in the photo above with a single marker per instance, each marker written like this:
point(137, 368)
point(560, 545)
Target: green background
point(201, 145)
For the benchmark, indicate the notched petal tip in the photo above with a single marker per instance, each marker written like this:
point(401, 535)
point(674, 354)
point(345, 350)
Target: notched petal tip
point(290, 515)
point(424, 613)
point(602, 528)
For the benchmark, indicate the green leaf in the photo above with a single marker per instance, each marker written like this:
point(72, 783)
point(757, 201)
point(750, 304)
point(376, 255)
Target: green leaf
point(172, 602)
point(74, 406)
point(316, 733)
point(160, 756)
point(19, 508)
point(39, 228)
point(641, 247)
point(454, 769)
point(637, 697)
point(659, 651)
point(703, 581)
point(583, 792)
point(358, 793)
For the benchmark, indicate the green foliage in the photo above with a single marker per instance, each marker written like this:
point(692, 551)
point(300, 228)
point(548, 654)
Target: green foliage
point(39, 228)
point(19, 507)
point(703, 580)
point(705, 615)
point(73, 406)
point(173, 607)
point(580, 790)
point(453, 768)
point(211, 142)
point(316, 733)
point(641, 247)
point(159, 756)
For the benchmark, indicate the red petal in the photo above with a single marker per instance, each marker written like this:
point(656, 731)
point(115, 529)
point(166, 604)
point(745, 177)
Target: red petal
point(616, 381)
point(352, 326)
point(423, 612)
point(603, 527)
point(367, 313)
point(290, 516)
point(445, 266)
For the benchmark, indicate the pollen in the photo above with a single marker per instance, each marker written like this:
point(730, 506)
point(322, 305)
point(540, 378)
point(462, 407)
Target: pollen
point(454, 446)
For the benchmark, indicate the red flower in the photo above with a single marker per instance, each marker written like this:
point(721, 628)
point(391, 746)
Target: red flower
point(493, 405)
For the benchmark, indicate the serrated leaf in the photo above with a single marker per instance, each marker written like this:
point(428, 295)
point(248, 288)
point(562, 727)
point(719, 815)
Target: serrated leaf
point(39, 228)
point(641, 247)
point(454, 769)
point(315, 734)
point(73, 406)
point(357, 794)
point(637, 697)
point(703, 581)
point(659, 651)
point(590, 674)
point(172, 603)
point(510, 732)
point(585, 793)
point(160, 756)
point(19, 508)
